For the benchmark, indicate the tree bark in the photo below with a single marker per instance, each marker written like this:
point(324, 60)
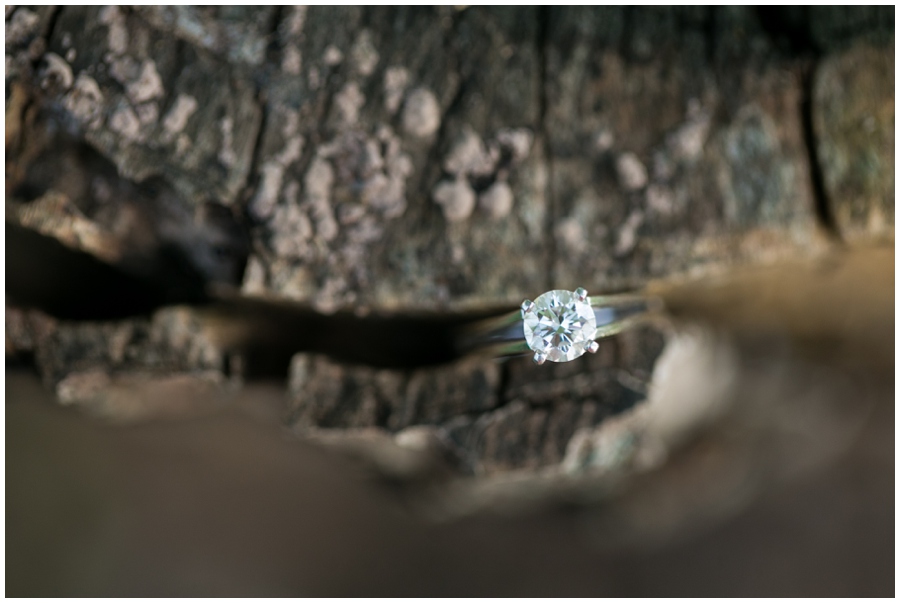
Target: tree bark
point(450, 160)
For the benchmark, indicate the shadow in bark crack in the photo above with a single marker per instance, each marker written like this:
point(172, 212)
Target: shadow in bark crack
point(73, 285)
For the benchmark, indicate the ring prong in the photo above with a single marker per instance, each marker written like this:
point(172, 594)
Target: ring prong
point(540, 358)
point(527, 306)
point(581, 294)
point(592, 347)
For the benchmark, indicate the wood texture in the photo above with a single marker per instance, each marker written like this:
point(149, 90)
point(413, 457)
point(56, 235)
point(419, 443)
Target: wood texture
point(386, 174)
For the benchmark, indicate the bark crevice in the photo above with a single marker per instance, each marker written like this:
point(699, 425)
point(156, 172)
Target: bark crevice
point(821, 203)
point(543, 33)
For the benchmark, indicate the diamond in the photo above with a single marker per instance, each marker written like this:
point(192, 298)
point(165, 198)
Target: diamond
point(560, 325)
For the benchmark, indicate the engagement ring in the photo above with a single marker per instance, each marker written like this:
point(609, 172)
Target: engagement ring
point(559, 325)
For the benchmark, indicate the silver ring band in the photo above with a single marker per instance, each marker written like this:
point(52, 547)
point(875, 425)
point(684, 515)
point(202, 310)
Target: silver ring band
point(506, 335)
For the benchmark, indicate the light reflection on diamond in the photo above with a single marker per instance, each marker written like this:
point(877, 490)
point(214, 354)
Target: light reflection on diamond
point(560, 325)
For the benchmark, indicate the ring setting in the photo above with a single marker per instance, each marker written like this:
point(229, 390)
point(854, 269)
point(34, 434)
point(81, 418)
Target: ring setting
point(560, 325)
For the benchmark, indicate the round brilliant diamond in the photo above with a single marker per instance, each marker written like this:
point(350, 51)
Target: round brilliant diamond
point(559, 326)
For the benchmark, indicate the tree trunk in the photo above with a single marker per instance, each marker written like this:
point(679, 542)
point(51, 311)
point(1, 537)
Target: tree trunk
point(448, 160)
